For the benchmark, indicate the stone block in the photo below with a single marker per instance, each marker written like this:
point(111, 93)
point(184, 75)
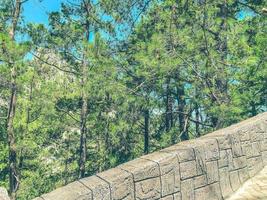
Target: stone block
point(244, 135)
point(265, 132)
point(230, 159)
point(188, 169)
point(211, 149)
point(148, 189)
point(170, 197)
point(177, 196)
point(209, 192)
point(99, 187)
point(256, 133)
point(225, 182)
point(234, 180)
point(200, 159)
point(247, 149)
point(243, 175)
point(223, 161)
point(187, 190)
point(200, 181)
point(236, 145)
point(263, 127)
point(240, 162)
point(263, 145)
point(255, 164)
point(169, 171)
point(141, 169)
point(255, 149)
point(170, 183)
point(224, 141)
point(264, 157)
point(74, 190)
point(212, 172)
point(184, 153)
point(121, 183)
point(4, 194)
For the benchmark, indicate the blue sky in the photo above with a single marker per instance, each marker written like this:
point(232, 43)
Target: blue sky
point(36, 10)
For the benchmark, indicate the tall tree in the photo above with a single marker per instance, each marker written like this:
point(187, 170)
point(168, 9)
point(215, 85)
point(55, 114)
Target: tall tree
point(12, 56)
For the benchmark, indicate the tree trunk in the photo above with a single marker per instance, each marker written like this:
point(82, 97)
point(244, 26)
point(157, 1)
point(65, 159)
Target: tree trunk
point(169, 114)
point(197, 120)
point(67, 160)
point(86, 5)
point(25, 132)
point(13, 170)
point(197, 112)
point(181, 111)
point(83, 129)
point(221, 81)
point(146, 131)
point(253, 108)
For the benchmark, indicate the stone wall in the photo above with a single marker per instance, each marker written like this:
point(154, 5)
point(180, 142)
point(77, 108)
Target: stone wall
point(3, 194)
point(208, 168)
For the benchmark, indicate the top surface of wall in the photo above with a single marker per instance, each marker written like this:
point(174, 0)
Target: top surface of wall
point(208, 168)
point(4, 194)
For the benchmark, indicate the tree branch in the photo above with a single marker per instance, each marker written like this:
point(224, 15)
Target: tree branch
point(53, 65)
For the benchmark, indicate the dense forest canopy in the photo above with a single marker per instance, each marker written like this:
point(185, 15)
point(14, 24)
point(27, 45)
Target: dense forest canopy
point(109, 80)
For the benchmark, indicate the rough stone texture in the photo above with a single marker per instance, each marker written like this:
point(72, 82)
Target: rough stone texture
point(211, 150)
point(234, 180)
point(243, 174)
point(200, 181)
point(183, 152)
point(100, 189)
point(187, 189)
point(208, 192)
point(255, 188)
point(212, 172)
point(148, 189)
point(120, 182)
point(177, 196)
point(3, 194)
point(170, 197)
point(225, 184)
point(188, 169)
point(75, 190)
point(169, 171)
point(212, 167)
point(223, 161)
point(141, 169)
